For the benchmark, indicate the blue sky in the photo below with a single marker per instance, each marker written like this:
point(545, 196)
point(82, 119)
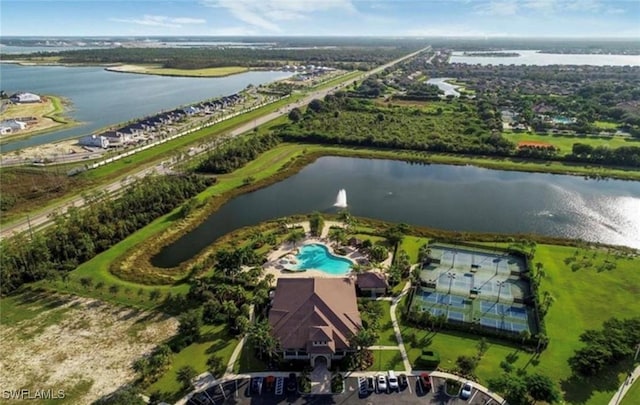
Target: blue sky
point(484, 18)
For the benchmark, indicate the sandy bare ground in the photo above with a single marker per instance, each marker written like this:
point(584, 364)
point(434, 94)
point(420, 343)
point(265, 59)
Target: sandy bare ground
point(93, 343)
point(49, 150)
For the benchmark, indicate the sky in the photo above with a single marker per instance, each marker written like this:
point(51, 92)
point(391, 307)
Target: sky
point(422, 18)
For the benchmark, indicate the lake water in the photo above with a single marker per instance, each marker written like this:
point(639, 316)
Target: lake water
point(458, 198)
point(448, 88)
point(101, 98)
point(544, 59)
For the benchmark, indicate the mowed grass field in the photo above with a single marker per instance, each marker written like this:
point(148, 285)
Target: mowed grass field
point(565, 142)
point(161, 71)
point(584, 299)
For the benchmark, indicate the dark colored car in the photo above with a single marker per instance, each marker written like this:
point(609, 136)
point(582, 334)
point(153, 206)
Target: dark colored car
point(292, 383)
point(371, 384)
point(403, 380)
point(256, 386)
point(425, 381)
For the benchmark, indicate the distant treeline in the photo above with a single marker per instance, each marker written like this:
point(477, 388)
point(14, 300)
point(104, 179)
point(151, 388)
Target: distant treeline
point(197, 58)
point(81, 234)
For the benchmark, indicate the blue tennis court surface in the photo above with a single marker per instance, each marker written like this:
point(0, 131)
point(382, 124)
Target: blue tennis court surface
point(516, 327)
point(444, 299)
point(496, 308)
point(456, 316)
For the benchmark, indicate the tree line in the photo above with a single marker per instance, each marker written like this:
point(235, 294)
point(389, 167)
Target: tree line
point(83, 233)
point(236, 153)
point(197, 58)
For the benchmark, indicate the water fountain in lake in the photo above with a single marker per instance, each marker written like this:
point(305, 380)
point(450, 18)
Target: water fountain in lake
point(341, 199)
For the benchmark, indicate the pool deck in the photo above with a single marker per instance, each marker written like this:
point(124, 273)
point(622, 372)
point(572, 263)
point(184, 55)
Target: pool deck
point(278, 270)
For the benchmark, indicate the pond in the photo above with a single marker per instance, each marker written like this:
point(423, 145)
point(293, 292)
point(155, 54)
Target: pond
point(457, 198)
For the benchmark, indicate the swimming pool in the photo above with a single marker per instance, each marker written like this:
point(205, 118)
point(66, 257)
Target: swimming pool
point(318, 257)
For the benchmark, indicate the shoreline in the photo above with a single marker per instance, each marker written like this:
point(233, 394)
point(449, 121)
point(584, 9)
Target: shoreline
point(142, 70)
point(57, 117)
point(141, 254)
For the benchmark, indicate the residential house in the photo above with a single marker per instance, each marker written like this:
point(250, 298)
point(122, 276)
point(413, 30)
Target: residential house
point(314, 318)
point(22, 98)
point(94, 141)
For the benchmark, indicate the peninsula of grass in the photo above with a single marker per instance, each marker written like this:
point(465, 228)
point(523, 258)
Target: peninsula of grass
point(158, 70)
point(49, 115)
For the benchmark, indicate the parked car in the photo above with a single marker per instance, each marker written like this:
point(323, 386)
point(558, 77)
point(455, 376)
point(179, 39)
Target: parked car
point(425, 381)
point(393, 381)
point(371, 384)
point(382, 383)
point(403, 380)
point(256, 385)
point(465, 392)
point(292, 382)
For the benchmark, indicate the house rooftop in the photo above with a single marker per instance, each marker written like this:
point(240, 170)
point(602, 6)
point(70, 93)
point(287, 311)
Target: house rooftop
point(305, 310)
point(371, 279)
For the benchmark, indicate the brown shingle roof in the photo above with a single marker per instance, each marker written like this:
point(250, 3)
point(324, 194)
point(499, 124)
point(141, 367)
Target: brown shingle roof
point(371, 279)
point(307, 309)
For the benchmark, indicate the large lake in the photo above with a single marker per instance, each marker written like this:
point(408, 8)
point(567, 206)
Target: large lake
point(101, 98)
point(460, 198)
point(544, 59)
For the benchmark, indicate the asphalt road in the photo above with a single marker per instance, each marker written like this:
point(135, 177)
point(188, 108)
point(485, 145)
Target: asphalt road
point(42, 218)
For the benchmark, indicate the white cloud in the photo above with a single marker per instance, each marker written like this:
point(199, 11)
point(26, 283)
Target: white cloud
point(497, 7)
point(160, 21)
point(451, 31)
point(266, 14)
point(546, 6)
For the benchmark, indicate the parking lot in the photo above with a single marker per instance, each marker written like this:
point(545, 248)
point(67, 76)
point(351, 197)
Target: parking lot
point(357, 391)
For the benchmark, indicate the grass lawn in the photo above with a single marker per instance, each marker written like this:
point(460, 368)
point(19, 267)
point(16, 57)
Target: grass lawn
point(158, 70)
point(583, 300)
point(631, 397)
point(248, 362)
point(386, 336)
point(215, 341)
point(385, 360)
point(605, 125)
point(565, 142)
point(411, 245)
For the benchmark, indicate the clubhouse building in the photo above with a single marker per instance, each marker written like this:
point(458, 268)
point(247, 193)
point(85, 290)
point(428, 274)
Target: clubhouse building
point(314, 318)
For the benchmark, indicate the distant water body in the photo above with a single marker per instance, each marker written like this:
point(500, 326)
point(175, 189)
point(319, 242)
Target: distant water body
point(100, 98)
point(545, 59)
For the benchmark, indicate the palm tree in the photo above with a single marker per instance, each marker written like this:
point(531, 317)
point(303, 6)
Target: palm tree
point(525, 335)
point(269, 278)
point(295, 236)
point(424, 253)
point(338, 235)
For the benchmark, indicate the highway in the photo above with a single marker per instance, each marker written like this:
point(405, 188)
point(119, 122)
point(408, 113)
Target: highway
point(43, 218)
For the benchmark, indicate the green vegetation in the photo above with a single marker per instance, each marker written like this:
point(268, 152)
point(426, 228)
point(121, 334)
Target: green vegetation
point(384, 360)
point(215, 341)
point(583, 298)
point(79, 235)
point(162, 71)
point(564, 143)
point(49, 115)
point(632, 395)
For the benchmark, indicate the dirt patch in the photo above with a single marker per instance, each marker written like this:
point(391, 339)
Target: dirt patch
point(92, 344)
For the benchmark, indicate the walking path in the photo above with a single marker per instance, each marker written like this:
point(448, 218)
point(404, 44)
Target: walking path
point(396, 327)
point(625, 386)
point(238, 349)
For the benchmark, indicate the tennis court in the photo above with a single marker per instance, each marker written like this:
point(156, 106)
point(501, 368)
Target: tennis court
point(445, 299)
point(496, 308)
point(456, 316)
point(508, 326)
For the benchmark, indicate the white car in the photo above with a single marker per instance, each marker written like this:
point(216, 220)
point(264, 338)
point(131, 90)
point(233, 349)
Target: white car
point(393, 381)
point(465, 392)
point(382, 383)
